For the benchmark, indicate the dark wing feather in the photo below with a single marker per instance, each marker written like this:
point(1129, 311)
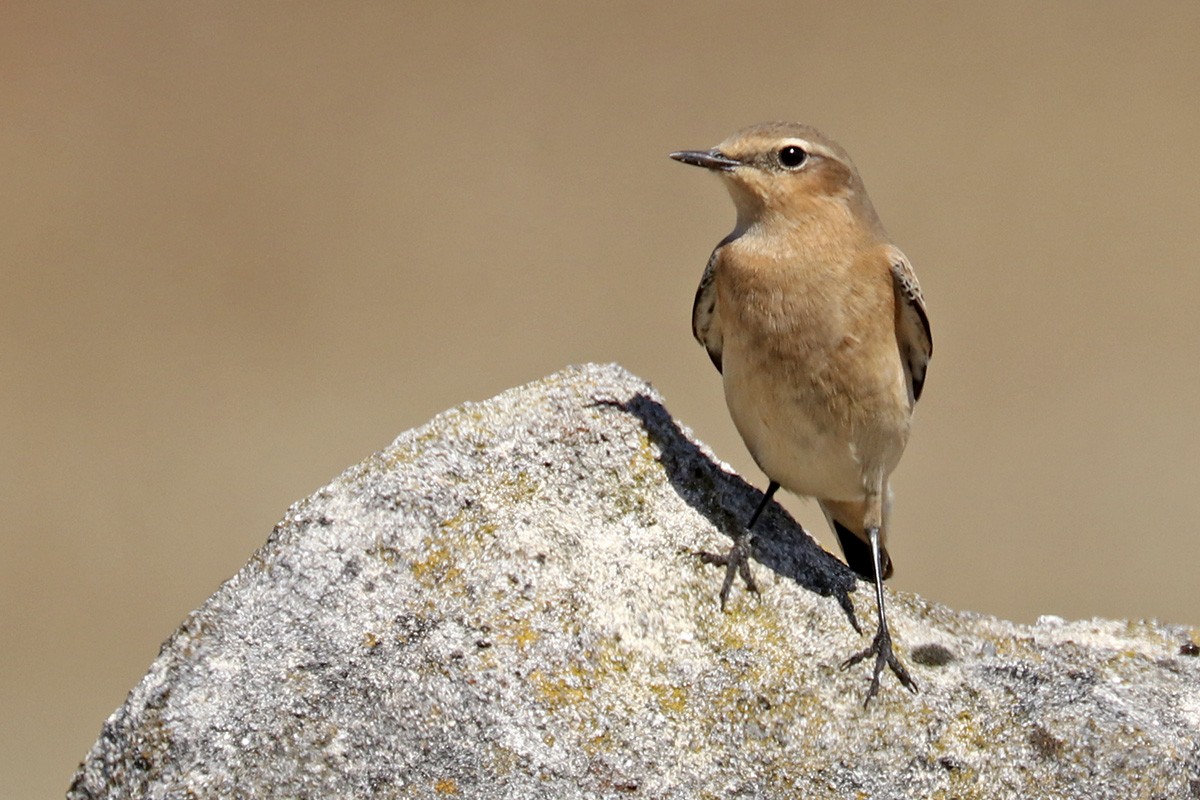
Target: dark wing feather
point(912, 323)
point(705, 320)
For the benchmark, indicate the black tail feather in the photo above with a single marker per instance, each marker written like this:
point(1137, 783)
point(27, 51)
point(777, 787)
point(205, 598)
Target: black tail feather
point(858, 553)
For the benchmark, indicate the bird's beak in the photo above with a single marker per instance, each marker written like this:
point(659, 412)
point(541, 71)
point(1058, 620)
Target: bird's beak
point(709, 159)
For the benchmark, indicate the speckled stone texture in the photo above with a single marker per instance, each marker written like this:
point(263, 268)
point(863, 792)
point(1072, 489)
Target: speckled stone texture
point(504, 604)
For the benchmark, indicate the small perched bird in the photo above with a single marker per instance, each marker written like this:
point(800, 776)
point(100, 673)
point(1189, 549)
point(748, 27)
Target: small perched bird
point(818, 327)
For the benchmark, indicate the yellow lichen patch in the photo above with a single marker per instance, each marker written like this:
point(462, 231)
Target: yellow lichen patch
point(597, 744)
point(456, 522)
point(438, 567)
point(446, 786)
point(525, 637)
point(468, 521)
point(518, 487)
point(962, 731)
point(740, 703)
point(631, 492)
point(584, 688)
point(504, 761)
point(1014, 646)
point(747, 623)
point(672, 700)
point(457, 540)
point(964, 785)
point(555, 691)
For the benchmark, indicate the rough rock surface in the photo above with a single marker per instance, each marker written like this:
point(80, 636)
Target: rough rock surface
point(503, 604)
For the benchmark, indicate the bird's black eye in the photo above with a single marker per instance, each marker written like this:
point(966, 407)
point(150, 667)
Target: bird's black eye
point(792, 156)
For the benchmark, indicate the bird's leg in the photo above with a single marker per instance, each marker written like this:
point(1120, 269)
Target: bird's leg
point(881, 647)
point(737, 560)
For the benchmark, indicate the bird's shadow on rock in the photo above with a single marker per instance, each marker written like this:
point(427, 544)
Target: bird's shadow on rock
point(779, 542)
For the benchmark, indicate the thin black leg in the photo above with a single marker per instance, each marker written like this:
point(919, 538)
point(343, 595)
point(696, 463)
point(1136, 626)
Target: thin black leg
point(737, 560)
point(772, 488)
point(881, 647)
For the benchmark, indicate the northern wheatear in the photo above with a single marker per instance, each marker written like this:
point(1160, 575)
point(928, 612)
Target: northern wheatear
point(816, 322)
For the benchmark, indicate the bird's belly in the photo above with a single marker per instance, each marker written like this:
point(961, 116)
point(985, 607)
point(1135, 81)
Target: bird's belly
point(812, 442)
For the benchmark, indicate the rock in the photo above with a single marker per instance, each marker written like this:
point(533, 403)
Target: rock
point(505, 604)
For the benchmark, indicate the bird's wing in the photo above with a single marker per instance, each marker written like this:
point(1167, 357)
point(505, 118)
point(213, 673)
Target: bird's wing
point(912, 323)
point(706, 325)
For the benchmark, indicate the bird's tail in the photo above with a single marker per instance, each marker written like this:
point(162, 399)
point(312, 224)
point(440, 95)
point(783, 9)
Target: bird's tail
point(855, 547)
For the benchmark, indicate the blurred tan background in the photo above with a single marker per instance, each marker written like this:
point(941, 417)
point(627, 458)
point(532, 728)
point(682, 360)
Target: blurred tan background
point(245, 245)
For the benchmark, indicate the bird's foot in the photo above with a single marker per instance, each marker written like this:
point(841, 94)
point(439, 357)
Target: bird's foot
point(881, 648)
point(736, 562)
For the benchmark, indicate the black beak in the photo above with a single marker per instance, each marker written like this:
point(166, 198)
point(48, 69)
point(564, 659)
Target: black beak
point(709, 159)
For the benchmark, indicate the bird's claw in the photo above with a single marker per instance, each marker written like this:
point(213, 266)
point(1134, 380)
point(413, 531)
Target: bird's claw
point(736, 562)
point(881, 648)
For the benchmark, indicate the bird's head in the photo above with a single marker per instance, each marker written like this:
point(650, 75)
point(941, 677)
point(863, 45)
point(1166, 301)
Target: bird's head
point(783, 170)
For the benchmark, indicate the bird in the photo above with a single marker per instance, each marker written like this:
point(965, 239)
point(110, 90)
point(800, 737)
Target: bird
point(818, 326)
